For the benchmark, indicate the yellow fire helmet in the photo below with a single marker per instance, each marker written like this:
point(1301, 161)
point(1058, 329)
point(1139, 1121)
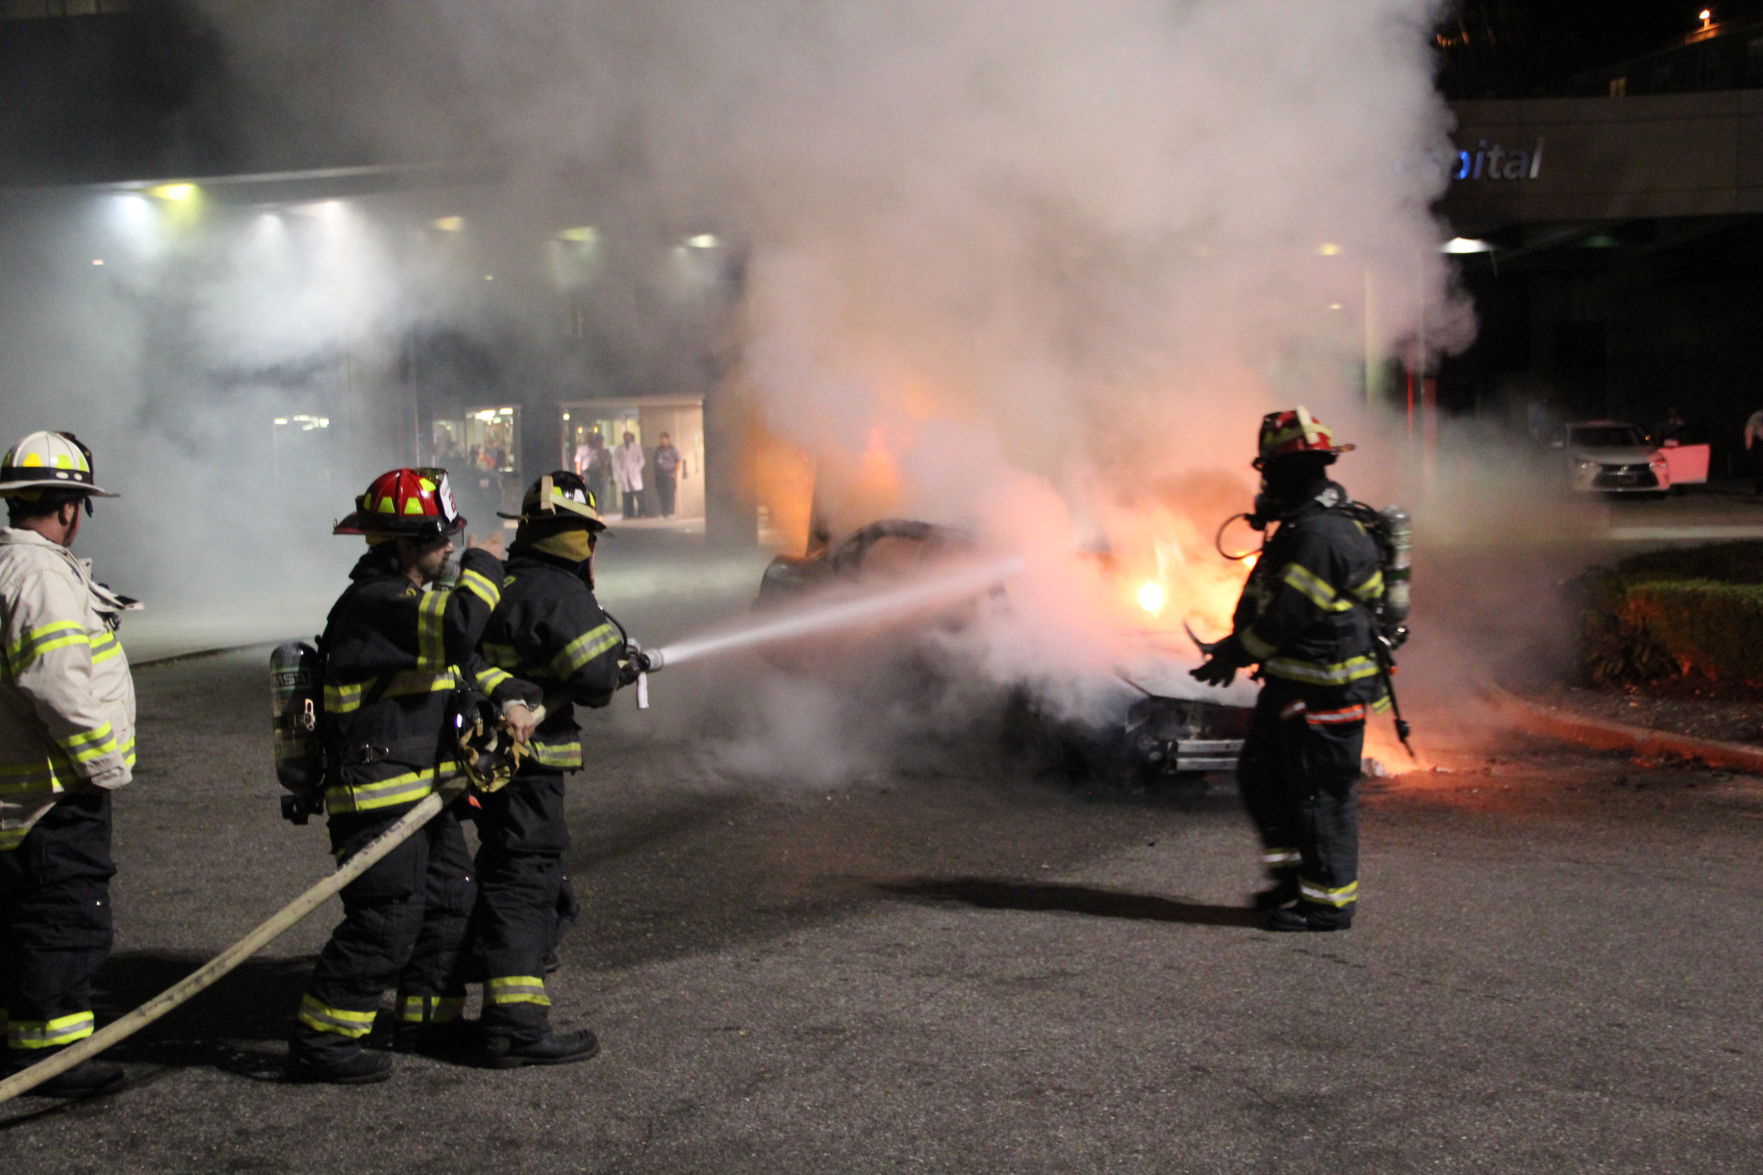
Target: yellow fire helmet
point(49, 461)
point(561, 498)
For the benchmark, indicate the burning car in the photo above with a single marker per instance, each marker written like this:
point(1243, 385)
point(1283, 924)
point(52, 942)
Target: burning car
point(1136, 722)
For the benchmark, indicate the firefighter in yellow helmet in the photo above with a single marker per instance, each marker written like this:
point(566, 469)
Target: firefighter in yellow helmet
point(1305, 618)
point(67, 740)
point(398, 648)
point(549, 629)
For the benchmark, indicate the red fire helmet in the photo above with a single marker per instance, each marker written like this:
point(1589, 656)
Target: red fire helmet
point(405, 503)
point(1296, 431)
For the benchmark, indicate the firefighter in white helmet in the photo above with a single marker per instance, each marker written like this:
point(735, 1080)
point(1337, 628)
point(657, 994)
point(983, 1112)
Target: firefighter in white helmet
point(67, 740)
point(1306, 619)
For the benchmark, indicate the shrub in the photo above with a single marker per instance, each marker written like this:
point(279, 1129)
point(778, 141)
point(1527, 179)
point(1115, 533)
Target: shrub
point(1675, 613)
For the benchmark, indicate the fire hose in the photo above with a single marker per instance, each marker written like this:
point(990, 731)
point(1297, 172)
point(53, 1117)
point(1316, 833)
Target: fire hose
point(450, 788)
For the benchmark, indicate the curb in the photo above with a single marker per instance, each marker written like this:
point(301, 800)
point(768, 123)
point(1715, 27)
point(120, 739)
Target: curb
point(1604, 733)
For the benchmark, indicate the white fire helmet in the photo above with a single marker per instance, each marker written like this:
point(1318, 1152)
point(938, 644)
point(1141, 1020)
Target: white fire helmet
point(49, 461)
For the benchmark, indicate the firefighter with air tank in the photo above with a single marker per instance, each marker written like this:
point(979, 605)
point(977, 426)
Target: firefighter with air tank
point(399, 658)
point(1309, 617)
point(550, 630)
point(67, 740)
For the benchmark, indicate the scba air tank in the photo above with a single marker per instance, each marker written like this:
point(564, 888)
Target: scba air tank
point(1398, 569)
point(294, 699)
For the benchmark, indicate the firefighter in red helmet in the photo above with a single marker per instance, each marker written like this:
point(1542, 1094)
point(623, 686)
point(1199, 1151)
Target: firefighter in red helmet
point(398, 647)
point(1305, 619)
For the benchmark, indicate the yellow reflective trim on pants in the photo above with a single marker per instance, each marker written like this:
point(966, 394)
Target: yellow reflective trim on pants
point(341, 1021)
point(516, 989)
point(1314, 588)
point(1279, 858)
point(431, 643)
point(1317, 673)
point(430, 1009)
point(49, 1034)
point(583, 649)
point(1344, 895)
point(480, 586)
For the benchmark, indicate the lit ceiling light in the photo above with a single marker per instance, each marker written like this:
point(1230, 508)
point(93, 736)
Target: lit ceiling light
point(1336, 306)
point(703, 241)
point(448, 224)
point(586, 235)
point(489, 277)
point(1329, 249)
point(97, 261)
point(281, 420)
point(1467, 245)
point(178, 192)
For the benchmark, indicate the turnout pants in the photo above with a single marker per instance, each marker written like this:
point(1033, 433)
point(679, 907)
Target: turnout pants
point(404, 923)
point(55, 928)
point(1299, 766)
point(522, 838)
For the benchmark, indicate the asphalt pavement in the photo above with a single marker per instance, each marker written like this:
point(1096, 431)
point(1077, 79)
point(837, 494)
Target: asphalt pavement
point(949, 961)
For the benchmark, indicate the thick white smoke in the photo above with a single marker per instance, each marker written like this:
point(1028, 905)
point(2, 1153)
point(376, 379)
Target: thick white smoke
point(1046, 261)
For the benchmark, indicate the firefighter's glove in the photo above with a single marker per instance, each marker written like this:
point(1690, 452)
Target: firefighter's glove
point(1220, 669)
point(635, 664)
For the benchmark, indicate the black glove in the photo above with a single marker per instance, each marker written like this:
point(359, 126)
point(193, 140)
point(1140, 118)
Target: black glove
point(634, 665)
point(1220, 669)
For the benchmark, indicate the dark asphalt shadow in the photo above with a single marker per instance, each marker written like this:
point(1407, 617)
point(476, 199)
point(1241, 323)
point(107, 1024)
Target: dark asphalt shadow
point(992, 893)
point(254, 1003)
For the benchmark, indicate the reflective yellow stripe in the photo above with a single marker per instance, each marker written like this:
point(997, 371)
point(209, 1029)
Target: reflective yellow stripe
point(345, 698)
point(431, 645)
point(567, 754)
point(501, 656)
point(430, 1009)
point(1345, 895)
point(516, 989)
point(1372, 588)
point(1257, 648)
point(583, 649)
point(341, 1021)
point(1279, 858)
point(46, 639)
point(481, 587)
point(11, 838)
point(418, 681)
point(1314, 588)
point(103, 649)
point(489, 679)
point(383, 793)
point(1317, 673)
point(49, 1034)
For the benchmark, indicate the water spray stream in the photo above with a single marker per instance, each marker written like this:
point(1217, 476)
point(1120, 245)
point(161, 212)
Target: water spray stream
point(844, 613)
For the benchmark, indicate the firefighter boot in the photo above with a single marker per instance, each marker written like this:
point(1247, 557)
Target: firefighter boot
point(554, 1048)
point(358, 1067)
point(1310, 916)
point(83, 1080)
point(1283, 892)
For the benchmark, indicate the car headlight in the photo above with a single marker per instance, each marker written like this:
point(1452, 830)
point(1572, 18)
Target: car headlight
point(1581, 465)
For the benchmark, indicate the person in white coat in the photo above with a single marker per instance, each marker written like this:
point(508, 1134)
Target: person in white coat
point(67, 740)
point(627, 468)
